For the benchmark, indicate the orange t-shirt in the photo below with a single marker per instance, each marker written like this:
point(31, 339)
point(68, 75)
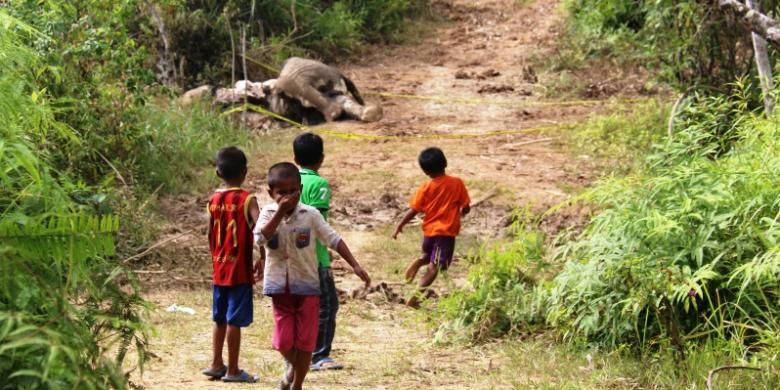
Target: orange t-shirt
point(441, 200)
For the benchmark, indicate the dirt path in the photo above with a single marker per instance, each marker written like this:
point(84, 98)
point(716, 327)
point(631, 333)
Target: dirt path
point(486, 52)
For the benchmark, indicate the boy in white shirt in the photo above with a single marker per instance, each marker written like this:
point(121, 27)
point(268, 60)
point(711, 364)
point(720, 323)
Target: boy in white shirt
point(289, 231)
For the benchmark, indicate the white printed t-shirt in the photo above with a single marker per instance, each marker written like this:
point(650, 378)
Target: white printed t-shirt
point(291, 255)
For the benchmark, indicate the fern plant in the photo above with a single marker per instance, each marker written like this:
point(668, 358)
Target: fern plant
point(64, 302)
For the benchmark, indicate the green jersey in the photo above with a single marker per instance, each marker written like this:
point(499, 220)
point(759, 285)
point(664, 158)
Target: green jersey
point(316, 193)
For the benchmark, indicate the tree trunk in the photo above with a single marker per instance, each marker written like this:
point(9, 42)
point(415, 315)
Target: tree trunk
point(761, 24)
point(762, 62)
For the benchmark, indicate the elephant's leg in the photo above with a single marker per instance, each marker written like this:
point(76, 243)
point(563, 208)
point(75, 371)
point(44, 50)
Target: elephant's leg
point(354, 110)
point(291, 87)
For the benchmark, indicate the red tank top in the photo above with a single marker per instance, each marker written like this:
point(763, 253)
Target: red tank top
point(230, 237)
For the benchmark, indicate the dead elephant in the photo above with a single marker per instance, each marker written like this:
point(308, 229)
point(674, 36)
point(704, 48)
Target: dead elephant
point(325, 89)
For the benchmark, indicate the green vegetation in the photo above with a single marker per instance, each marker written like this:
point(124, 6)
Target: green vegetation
point(205, 37)
point(63, 303)
point(502, 299)
point(680, 264)
point(693, 43)
point(619, 140)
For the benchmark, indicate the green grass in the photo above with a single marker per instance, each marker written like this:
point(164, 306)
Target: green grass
point(619, 141)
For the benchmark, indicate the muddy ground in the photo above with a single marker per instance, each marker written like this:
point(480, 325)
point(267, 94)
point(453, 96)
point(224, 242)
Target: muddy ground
point(490, 104)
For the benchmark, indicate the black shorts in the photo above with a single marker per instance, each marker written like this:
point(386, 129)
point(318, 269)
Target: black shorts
point(438, 250)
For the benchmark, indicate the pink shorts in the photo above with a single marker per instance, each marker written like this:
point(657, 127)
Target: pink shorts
point(296, 322)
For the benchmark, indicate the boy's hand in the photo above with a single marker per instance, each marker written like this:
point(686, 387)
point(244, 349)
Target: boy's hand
point(465, 210)
point(398, 231)
point(258, 269)
point(363, 275)
point(288, 202)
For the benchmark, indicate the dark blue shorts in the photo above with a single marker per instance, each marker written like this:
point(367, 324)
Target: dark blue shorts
point(232, 305)
point(438, 250)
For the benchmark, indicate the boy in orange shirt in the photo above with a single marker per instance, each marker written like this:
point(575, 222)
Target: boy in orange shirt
point(443, 200)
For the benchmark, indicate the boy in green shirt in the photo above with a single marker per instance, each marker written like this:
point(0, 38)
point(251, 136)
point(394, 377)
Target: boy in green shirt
point(309, 154)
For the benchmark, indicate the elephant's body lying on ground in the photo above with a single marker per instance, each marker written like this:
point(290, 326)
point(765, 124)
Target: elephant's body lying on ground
point(323, 87)
point(305, 90)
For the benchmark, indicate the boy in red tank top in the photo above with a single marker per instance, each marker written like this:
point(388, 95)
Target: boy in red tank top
point(233, 213)
point(443, 200)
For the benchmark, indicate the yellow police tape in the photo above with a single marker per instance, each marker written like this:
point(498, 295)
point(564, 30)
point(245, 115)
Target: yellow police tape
point(379, 137)
point(518, 103)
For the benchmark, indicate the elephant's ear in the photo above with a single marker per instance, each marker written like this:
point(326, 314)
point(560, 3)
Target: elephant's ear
point(284, 63)
point(353, 90)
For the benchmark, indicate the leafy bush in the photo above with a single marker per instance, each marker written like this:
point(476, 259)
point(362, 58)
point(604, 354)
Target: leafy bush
point(201, 33)
point(686, 249)
point(63, 303)
point(177, 143)
point(683, 252)
point(693, 42)
point(500, 297)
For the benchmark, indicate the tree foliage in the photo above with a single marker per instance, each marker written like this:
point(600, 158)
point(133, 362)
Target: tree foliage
point(693, 42)
point(63, 302)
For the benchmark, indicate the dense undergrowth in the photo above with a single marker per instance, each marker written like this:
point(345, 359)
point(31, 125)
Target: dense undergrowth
point(681, 259)
point(690, 43)
point(63, 303)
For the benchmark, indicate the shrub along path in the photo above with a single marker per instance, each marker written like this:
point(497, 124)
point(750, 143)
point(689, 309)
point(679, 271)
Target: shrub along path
point(488, 51)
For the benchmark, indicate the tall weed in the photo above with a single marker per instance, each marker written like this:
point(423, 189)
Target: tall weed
point(64, 303)
point(175, 144)
point(501, 296)
point(618, 141)
point(669, 254)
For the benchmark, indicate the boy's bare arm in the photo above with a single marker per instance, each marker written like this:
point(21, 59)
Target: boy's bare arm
point(346, 254)
point(407, 217)
point(254, 211)
point(259, 266)
point(285, 205)
point(270, 227)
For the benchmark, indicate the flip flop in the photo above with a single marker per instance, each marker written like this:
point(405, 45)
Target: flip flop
point(242, 377)
point(214, 373)
point(285, 382)
point(326, 364)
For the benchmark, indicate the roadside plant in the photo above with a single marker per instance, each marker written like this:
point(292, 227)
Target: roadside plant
point(66, 306)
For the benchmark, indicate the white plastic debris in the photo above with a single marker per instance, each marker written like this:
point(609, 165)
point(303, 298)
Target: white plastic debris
point(180, 309)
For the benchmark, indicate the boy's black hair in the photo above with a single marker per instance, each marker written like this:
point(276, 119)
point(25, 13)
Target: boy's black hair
point(432, 160)
point(308, 149)
point(282, 171)
point(231, 163)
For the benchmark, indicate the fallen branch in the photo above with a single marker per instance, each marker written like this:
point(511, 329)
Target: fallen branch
point(155, 246)
point(723, 368)
point(761, 24)
point(493, 160)
point(485, 198)
point(116, 171)
point(535, 141)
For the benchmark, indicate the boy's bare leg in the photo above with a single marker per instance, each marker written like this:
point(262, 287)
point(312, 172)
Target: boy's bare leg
point(430, 276)
point(289, 374)
point(427, 280)
point(301, 367)
point(234, 343)
point(411, 270)
point(218, 342)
